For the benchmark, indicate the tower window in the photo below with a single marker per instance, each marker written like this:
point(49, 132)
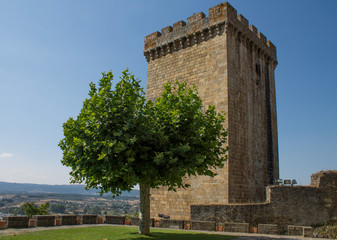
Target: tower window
point(258, 73)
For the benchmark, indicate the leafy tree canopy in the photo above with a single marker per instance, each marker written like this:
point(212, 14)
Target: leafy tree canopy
point(119, 139)
point(31, 209)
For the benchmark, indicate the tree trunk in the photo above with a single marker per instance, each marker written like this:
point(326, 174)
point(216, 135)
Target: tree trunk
point(144, 210)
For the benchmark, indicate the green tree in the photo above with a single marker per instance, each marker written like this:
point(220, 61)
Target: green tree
point(119, 139)
point(95, 210)
point(31, 209)
point(57, 208)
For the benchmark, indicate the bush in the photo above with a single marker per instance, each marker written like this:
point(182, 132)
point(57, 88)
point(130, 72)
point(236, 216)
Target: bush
point(326, 232)
point(31, 209)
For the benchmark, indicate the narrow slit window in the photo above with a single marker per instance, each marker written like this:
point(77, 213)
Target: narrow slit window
point(258, 73)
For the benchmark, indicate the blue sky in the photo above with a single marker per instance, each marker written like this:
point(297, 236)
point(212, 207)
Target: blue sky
point(51, 50)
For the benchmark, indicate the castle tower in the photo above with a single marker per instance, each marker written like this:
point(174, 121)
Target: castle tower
point(232, 65)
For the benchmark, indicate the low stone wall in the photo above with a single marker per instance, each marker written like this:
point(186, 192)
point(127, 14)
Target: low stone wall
point(47, 220)
point(285, 205)
point(236, 227)
point(3, 224)
point(17, 221)
point(68, 220)
point(304, 231)
point(44, 220)
point(239, 213)
point(168, 223)
point(268, 229)
point(135, 221)
point(114, 219)
point(89, 219)
point(203, 225)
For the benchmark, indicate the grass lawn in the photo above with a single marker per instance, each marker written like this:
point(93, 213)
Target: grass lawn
point(113, 233)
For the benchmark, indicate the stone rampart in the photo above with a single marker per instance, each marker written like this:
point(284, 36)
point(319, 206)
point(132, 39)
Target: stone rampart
point(285, 205)
point(89, 219)
point(44, 220)
point(114, 219)
point(16, 221)
point(68, 219)
point(168, 223)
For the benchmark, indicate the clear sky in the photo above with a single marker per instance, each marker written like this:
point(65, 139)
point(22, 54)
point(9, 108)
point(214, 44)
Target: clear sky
point(51, 50)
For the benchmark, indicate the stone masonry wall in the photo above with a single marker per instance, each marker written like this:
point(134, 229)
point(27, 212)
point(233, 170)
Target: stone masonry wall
point(192, 65)
point(205, 52)
point(285, 205)
point(253, 152)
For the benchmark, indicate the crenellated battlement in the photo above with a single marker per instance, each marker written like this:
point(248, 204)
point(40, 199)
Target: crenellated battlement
point(198, 28)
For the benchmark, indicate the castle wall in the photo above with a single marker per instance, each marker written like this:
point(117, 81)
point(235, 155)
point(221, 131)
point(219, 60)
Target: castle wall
point(218, 55)
point(285, 205)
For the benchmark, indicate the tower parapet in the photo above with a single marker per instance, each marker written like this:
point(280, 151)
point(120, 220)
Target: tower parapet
point(200, 28)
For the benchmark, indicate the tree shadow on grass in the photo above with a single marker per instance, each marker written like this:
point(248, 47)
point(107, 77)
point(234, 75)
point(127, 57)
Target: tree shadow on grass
point(185, 236)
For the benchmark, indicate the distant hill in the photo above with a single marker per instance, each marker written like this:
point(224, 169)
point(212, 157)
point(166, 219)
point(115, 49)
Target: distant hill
point(29, 188)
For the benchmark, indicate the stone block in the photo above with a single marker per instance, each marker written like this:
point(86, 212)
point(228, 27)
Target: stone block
point(176, 224)
point(127, 221)
point(89, 219)
point(100, 219)
point(32, 223)
point(58, 221)
point(236, 227)
point(3, 224)
point(295, 230)
point(308, 232)
point(109, 219)
point(44, 220)
point(79, 219)
point(268, 229)
point(202, 225)
point(69, 220)
point(17, 221)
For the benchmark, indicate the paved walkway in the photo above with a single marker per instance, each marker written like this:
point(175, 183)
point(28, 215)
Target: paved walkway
point(241, 236)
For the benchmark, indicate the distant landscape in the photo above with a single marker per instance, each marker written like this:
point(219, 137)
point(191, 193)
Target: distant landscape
point(65, 199)
point(6, 187)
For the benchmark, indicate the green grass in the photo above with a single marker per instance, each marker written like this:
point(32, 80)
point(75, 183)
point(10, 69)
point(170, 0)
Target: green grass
point(113, 233)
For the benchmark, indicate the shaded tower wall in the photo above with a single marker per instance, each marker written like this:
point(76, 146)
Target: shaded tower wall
point(219, 54)
point(253, 154)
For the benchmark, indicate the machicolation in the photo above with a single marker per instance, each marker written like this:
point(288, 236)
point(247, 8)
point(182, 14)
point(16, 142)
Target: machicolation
point(201, 28)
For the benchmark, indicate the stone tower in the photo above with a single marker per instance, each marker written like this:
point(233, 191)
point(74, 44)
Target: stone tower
point(232, 65)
